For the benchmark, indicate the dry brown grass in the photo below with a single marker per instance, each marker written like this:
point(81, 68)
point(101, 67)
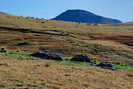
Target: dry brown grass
point(68, 38)
point(101, 42)
point(42, 74)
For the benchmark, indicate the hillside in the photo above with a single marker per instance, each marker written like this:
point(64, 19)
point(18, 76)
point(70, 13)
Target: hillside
point(35, 74)
point(84, 17)
point(105, 42)
point(102, 42)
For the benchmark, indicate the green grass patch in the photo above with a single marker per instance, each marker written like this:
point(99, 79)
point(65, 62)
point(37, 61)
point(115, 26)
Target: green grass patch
point(85, 64)
point(26, 56)
point(125, 67)
point(19, 55)
point(72, 63)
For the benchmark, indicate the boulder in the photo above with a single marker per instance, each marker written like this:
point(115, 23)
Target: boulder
point(3, 50)
point(43, 55)
point(81, 58)
point(106, 65)
point(55, 56)
point(23, 44)
point(39, 55)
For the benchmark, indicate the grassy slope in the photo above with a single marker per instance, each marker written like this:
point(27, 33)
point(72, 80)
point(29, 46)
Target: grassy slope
point(102, 42)
point(19, 55)
point(44, 74)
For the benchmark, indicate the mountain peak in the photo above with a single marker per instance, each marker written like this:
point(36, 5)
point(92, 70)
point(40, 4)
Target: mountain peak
point(77, 15)
point(78, 11)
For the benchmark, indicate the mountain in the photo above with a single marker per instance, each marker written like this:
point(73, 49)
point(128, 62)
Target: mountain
point(84, 17)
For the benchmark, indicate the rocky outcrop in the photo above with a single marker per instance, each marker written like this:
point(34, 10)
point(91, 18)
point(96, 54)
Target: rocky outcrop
point(81, 58)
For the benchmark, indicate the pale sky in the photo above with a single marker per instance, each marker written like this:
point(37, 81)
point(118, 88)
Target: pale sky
point(118, 9)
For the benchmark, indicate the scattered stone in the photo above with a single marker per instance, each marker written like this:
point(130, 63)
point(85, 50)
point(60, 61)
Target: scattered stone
point(47, 55)
point(23, 44)
point(81, 58)
point(55, 56)
point(106, 65)
point(129, 44)
point(47, 65)
point(3, 50)
point(130, 75)
point(3, 41)
point(4, 64)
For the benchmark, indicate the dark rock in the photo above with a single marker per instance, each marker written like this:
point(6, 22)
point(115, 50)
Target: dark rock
point(23, 44)
point(3, 50)
point(39, 55)
point(81, 58)
point(3, 41)
point(54, 56)
point(45, 55)
point(106, 65)
point(129, 44)
point(47, 65)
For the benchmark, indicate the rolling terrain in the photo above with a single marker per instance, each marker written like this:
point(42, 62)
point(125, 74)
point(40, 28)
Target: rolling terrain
point(112, 42)
point(102, 42)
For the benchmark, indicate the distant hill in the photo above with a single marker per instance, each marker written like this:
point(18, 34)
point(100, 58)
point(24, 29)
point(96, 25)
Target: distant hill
point(84, 17)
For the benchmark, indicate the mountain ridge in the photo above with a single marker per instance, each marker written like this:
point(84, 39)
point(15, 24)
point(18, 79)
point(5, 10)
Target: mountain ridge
point(77, 15)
